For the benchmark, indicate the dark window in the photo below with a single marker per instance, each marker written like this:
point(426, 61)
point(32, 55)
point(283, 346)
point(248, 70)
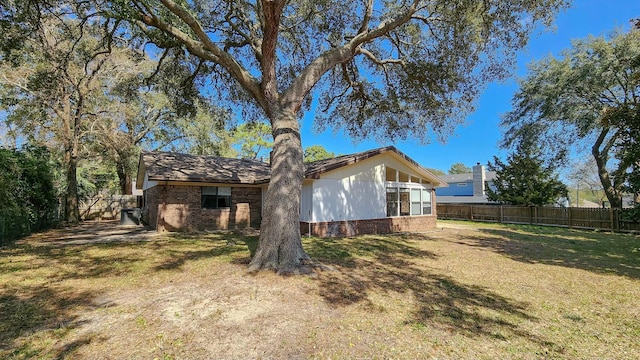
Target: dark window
point(408, 201)
point(392, 201)
point(405, 202)
point(215, 197)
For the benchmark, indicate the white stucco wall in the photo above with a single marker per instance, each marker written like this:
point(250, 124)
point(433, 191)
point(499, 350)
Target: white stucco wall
point(354, 192)
point(306, 205)
point(347, 199)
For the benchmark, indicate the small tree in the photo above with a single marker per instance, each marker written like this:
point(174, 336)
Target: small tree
point(459, 168)
point(585, 181)
point(253, 140)
point(316, 153)
point(524, 180)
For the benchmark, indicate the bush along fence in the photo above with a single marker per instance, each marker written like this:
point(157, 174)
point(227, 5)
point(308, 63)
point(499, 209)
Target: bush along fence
point(28, 200)
point(579, 218)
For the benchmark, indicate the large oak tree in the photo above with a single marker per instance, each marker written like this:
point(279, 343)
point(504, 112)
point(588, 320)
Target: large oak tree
point(588, 97)
point(390, 69)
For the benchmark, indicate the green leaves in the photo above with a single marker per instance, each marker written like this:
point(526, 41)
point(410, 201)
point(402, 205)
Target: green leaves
point(253, 140)
point(316, 153)
point(29, 201)
point(584, 99)
point(524, 180)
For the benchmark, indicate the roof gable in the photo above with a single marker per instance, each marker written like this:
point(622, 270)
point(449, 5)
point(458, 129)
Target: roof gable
point(315, 169)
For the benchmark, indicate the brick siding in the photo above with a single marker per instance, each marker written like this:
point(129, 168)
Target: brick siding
point(178, 208)
point(373, 226)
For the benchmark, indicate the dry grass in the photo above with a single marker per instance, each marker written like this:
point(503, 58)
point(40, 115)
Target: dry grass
point(474, 291)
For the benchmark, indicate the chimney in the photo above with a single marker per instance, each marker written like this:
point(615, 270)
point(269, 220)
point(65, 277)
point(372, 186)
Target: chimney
point(478, 180)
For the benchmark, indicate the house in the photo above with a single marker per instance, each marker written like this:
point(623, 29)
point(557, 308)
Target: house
point(376, 191)
point(467, 188)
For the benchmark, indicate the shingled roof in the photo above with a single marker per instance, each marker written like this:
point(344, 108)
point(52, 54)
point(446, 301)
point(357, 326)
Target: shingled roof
point(168, 166)
point(315, 169)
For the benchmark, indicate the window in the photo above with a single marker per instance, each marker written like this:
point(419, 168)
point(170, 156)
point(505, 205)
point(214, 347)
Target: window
point(215, 197)
point(392, 201)
point(390, 174)
point(415, 202)
point(408, 201)
point(426, 202)
point(405, 203)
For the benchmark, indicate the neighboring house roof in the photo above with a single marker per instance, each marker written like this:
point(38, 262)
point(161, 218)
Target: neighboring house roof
point(456, 178)
point(445, 199)
point(168, 166)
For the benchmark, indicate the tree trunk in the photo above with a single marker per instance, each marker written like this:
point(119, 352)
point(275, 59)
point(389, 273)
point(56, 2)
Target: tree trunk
point(71, 209)
point(601, 157)
point(124, 179)
point(280, 244)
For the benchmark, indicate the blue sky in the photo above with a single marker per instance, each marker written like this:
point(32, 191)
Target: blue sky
point(477, 140)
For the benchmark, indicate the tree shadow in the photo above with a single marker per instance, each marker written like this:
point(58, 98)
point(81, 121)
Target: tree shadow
point(41, 309)
point(366, 265)
point(175, 259)
point(598, 252)
point(39, 304)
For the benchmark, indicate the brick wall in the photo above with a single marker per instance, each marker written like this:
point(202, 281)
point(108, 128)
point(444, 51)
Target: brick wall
point(177, 208)
point(373, 226)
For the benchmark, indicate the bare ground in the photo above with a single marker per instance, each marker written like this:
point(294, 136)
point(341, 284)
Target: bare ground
point(101, 291)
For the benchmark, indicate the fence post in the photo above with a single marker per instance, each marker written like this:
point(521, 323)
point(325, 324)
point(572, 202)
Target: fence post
point(471, 212)
point(501, 213)
point(535, 215)
point(611, 218)
point(569, 217)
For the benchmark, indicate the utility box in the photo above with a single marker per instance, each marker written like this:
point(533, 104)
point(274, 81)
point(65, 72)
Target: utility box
point(130, 216)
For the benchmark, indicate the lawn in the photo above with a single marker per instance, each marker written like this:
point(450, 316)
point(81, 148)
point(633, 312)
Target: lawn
point(465, 290)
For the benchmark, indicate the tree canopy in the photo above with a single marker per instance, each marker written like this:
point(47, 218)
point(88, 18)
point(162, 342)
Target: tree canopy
point(253, 139)
point(586, 98)
point(524, 179)
point(459, 168)
point(316, 153)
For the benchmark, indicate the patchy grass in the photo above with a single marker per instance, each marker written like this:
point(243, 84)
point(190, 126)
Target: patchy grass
point(466, 290)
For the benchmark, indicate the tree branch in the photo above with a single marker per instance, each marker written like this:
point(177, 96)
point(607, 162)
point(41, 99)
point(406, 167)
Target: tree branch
point(367, 16)
point(204, 47)
point(377, 61)
point(312, 73)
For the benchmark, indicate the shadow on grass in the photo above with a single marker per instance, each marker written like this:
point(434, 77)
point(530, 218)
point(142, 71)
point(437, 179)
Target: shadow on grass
point(226, 245)
point(39, 308)
point(52, 313)
point(393, 263)
point(598, 252)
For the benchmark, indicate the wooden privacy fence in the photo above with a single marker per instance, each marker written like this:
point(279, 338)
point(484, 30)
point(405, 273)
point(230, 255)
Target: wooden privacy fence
point(106, 208)
point(583, 218)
